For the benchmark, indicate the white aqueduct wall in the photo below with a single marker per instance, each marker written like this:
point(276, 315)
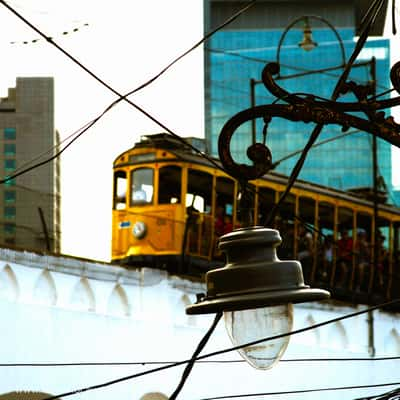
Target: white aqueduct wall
point(67, 310)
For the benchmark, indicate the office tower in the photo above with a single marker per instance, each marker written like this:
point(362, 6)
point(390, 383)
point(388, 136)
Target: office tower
point(30, 203)
point(236, 55)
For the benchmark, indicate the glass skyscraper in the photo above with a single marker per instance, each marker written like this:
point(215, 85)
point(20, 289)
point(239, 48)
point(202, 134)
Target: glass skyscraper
point(237, 55)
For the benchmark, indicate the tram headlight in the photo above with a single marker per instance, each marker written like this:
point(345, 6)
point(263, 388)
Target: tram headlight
point(139, 230)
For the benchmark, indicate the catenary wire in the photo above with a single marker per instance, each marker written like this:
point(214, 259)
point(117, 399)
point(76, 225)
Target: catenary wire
point(118, 94)
point(197, 351)
point(142, 363)
point(133, 91)
point(302, 71)
point(219, 352)
point(122, 97)
point(326, 389)
point(368, 21)
point(64, 33)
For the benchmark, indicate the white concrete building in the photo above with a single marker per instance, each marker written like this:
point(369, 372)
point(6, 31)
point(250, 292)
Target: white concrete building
point(60, 310)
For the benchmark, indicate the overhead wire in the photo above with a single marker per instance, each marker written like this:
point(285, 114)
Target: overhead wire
point(199, 348)
point(224, 351)
point(90, 124)
point(64, 33)
point(143, 363)
point(300, 391)
point(302, 71)
point(121, 97)
point(366, 27)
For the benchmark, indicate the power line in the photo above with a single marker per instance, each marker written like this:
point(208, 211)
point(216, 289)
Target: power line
point(368, 21)
point(142, 363)
point(120, 96)
point(197, 351)
point(301, 70)
point(224, 351)
point(238, 396)
point(64, 33)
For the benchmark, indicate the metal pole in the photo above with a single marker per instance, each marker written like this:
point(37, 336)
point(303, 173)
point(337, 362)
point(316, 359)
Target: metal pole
point(253, 104)
point(374, 180)
point(371, 336)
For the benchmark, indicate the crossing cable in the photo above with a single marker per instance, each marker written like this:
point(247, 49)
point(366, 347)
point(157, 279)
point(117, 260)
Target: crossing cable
point(239, 396)
point(219, 352)
point(121, 96)
point(143, 363)
point(367, 24)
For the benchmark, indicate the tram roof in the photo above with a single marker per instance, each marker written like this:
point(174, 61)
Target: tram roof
point(183, 153)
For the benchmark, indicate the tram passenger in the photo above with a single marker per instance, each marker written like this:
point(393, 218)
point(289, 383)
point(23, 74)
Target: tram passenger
point(285, 250)
point(382, 258)
point(327, 256)
point(192, 215)
point(305, 250)
point(228, 225)
point(345, 256)
point(363, 251)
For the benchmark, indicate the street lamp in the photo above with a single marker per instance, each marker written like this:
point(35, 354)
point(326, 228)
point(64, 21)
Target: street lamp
point(256, 292)
point(307, 44)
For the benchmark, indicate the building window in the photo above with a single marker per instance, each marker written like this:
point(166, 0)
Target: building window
point(9, 196)
point(9, 228)
point(10, 133)
point(9, 149)
point(9, 164)
point(9, 182)
point(9, 212)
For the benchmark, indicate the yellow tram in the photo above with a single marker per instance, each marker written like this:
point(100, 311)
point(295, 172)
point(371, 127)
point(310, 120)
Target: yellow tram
point(170, 205)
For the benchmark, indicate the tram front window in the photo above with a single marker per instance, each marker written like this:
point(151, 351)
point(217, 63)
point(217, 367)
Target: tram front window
point(142, 188)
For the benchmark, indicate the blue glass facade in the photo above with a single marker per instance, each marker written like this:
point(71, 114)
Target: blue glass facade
point(236, 57)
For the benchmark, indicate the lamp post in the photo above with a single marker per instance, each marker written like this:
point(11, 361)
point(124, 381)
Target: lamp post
point(255, 291)
point(307, 44)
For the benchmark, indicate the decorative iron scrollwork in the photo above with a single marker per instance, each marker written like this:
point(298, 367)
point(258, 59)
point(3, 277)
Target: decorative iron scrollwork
point(309, 109)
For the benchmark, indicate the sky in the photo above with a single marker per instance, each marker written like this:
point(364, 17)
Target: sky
point(125, 43)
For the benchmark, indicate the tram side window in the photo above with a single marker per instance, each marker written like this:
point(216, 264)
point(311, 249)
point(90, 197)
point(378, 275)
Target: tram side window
point(142, 186)
point(170, 183)
point(266, 201)
point(245, 206)
point(199, 191)
point(120, 183)
point(225, 188)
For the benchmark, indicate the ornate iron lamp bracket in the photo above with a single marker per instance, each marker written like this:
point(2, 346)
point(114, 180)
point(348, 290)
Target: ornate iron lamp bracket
point(309, 109)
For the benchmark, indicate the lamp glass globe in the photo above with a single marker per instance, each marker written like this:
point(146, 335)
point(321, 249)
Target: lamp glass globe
point(250, 325)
